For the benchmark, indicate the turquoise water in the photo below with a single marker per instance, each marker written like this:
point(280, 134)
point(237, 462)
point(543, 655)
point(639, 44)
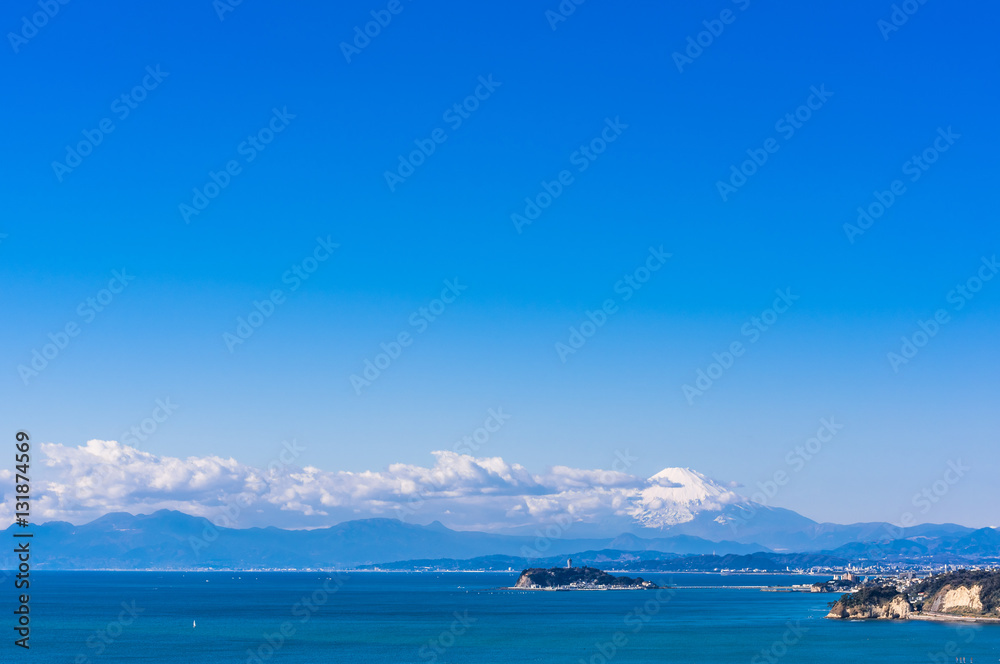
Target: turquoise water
point(79, 617)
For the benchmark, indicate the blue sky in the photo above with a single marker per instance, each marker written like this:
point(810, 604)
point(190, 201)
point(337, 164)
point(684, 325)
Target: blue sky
point(551, 92)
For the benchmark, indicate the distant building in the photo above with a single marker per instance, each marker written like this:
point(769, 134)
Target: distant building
point(569, 563)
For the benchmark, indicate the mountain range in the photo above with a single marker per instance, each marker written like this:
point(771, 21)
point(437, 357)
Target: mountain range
point(174, 540)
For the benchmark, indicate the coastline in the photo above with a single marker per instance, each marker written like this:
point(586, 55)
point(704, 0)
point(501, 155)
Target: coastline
point(945, 617)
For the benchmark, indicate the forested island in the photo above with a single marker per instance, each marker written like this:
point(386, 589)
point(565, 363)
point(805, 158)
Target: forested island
point(962, 595)
point(578, 578)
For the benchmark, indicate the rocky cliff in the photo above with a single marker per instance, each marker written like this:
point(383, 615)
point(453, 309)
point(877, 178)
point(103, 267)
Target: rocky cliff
point(957, 600)
point(896, 608)
point(964, 593)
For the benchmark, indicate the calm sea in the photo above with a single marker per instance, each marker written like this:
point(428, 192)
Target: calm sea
point(95, 617)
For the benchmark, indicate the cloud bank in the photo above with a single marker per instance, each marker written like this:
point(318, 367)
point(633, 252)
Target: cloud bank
point(79, 484)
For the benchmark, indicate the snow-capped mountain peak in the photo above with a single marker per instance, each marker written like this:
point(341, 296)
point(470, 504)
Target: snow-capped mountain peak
point(676, 495)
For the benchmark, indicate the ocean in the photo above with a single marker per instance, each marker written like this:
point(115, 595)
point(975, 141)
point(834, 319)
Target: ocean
point(313, 617)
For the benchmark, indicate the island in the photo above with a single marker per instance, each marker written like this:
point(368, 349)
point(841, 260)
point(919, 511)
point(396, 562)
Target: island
point(961, 596)
point(578, 578)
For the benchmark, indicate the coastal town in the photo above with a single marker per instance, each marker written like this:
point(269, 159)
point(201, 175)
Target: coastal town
point(965, 595)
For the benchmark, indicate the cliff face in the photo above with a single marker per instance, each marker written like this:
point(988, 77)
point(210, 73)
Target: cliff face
point(895, 609)
point(966, 593)
point(960, 600)
point(878, 603)
point(974, 593)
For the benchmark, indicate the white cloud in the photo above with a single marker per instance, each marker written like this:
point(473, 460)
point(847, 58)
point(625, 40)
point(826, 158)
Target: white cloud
point(78, 484)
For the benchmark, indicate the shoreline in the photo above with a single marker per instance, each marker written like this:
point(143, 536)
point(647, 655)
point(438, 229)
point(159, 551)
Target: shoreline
point(946, 617)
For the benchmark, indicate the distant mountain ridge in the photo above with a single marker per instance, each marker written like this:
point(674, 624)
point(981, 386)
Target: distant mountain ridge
point(174, 540)
point(630, 561)
point(929, 545)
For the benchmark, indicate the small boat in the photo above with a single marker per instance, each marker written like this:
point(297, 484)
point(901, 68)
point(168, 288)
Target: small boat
point(194, 624)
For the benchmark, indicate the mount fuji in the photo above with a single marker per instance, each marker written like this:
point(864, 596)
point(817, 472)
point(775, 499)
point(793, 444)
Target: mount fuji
point(463, 507)
point(681, 501)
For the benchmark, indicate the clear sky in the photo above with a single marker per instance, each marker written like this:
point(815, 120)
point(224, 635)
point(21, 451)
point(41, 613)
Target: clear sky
point(309, 128)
